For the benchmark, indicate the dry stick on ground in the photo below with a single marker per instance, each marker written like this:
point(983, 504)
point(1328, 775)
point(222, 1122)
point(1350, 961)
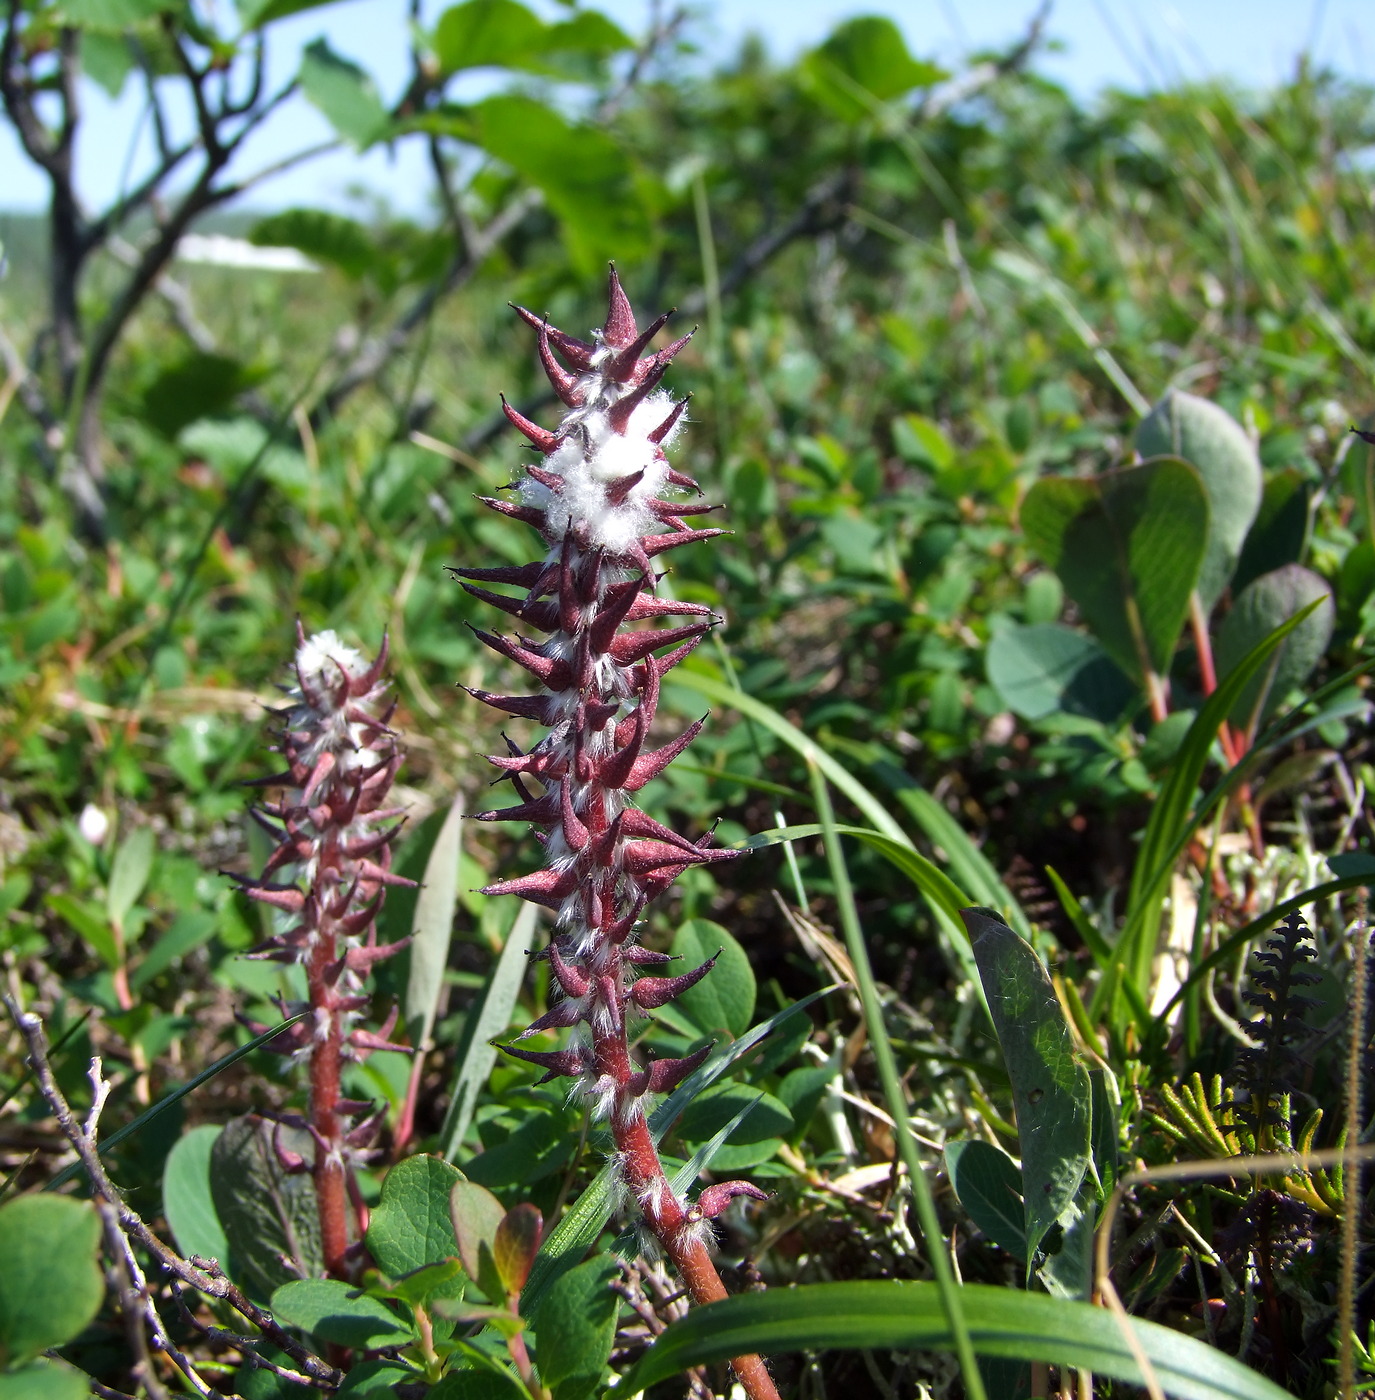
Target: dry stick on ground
point(204, 1275)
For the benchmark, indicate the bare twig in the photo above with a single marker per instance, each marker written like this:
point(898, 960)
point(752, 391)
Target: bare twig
point(202, 1274)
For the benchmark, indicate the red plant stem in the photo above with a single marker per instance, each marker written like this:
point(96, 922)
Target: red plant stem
point(663, 1212)
point(331, 1188)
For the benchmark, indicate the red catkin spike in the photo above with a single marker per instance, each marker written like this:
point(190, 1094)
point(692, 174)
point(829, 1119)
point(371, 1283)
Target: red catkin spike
point(341, 759)
point(601, 499)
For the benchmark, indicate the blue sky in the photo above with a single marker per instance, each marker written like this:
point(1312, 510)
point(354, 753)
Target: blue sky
point(1130, 43)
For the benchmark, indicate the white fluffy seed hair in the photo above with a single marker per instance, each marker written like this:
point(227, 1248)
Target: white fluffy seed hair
point(320, 656)
point(592, 457)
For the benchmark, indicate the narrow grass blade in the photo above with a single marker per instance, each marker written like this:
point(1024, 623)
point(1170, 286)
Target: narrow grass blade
point(166, 1102)
point(569, 1240)
point(906, 1316)
point(476, 1056)
point(881, 1046)
point(1174, 817)
point(722, 694)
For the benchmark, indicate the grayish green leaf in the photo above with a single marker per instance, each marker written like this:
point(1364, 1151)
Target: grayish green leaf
point(270, 1217)
point(129, 873)
point(1128, 546)
point(433, 927)
point(1050, 669)
point(1266, 604)
point(989, 1186)
point(1050, 1088)
point(486, 1020)
point(1208, 437)
point(186, 1199)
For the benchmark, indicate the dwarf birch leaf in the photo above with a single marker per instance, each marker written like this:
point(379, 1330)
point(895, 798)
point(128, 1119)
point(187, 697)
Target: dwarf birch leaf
point(411, 1225)
point(476, 1216)
point(724, 999)
point(44, 1380)
point(50, 1283)
point(516, 1244)
point(575, 1326)
point(335, 1311)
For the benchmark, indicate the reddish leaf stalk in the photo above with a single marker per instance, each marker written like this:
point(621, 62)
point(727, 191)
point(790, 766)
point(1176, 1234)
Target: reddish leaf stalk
point(607, 503)
point(330, 825)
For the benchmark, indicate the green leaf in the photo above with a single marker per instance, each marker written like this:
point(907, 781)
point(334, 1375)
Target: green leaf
point(1263, 606)
point(270, 1217)
point(257, 13)
point(908, 1316)
point(866, 55)
point(375, 1380)
point(989, 1186)
point(114, 16)
point(44, 1380)
point(344, 93)
point(476, 1215)
point(106, 59)
point(442, 1280)
point(188, 931)
point(1279, 534)
point(410, 1225)
point(515, 1245)
point(487, 33)
point(801, 1092)
point(586, 179)
point(504, 34)
point(328, 238)
point(757, 1138)
point(478, 1385)
point(1050, 1088)
point(186, 1199)
point(575, 1326)
point(129, 873)
point(199, 385)
point(724, 999)
point(433, 927)
point(1127, 545)
point(1210, 439)
point(1049, 669)
point(51, 1286)
point(489, 1018)
point(1355, 584)
point(337, 1312)
point(89, 922)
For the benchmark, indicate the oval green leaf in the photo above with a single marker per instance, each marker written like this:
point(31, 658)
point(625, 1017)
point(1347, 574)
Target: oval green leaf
point(50, 1282)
